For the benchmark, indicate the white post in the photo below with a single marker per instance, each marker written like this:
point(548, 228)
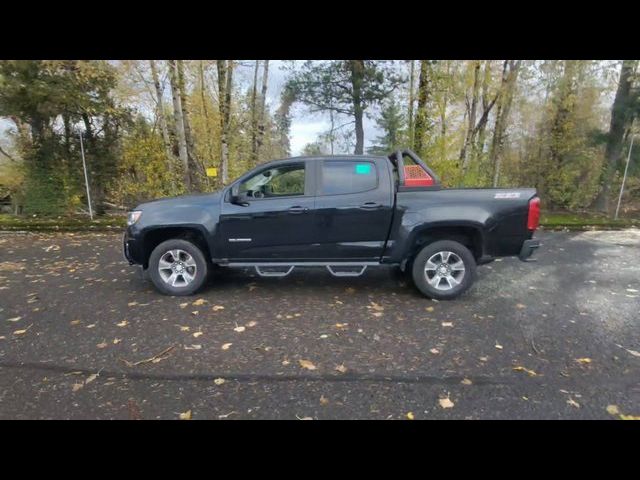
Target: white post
point(624, 178)
point(86, 179)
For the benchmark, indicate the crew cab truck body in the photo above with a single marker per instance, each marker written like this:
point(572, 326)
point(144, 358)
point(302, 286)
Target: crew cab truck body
point(343, 213)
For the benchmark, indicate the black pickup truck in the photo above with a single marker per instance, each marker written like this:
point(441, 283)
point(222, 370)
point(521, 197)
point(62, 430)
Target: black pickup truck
point(342, 213)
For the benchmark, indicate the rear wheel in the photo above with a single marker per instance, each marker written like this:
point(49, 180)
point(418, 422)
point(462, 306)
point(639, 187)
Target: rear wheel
point(177, 267)
point(444, 269)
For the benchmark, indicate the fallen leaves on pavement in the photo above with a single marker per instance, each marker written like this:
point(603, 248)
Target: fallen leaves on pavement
point(307, 364)
point(341, 368)
point(614, 410)
point(519, 368)
point(23, 331)
point(632, 352)
point(155, 359)
point(573, 403)
point(446, 402)
point(583, 360)
point(77, 386)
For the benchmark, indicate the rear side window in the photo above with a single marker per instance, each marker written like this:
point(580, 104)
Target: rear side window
point(345, 176)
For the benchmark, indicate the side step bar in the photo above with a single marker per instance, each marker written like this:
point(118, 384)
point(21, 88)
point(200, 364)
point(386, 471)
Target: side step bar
point(272, 273)
point(346, 273)
point(354, 269)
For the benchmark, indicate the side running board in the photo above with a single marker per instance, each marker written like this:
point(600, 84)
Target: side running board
point(277, 269)
point(346, 273)
point(272, 273)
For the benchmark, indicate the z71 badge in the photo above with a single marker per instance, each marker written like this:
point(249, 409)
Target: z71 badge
point(507, 195)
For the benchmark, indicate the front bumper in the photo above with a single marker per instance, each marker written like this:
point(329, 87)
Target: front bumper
point(528, 247)
point(131, 248)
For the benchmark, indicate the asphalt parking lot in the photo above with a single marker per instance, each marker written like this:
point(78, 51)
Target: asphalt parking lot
point(82, 336)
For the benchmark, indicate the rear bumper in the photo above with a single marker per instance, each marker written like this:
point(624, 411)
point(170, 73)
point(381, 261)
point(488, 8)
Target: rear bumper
point(528, 247)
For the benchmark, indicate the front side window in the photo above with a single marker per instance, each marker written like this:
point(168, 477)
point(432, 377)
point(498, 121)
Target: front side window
point(344, 176)
point(282, 181)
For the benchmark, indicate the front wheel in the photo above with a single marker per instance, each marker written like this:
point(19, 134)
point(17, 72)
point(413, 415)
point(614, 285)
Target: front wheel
point(177, 267)
point(444, 270)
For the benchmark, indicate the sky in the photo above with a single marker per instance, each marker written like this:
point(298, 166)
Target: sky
point(305, 127)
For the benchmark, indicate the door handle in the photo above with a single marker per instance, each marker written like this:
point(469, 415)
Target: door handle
point(370, 206)
point(298, 209)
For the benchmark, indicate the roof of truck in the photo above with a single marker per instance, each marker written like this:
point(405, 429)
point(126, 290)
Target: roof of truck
point(324, 157)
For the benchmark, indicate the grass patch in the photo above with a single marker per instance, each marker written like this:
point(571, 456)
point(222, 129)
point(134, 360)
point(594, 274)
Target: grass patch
point(584, 221)
point(61, 224)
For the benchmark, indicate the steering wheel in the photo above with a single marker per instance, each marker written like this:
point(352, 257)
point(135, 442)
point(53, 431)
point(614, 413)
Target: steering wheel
point(258, 194)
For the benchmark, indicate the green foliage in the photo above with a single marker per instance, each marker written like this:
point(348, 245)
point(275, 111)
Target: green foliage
point(392, 122)
point(315, 148)
point(142, 172)
point(329, 85)
point(52, 99)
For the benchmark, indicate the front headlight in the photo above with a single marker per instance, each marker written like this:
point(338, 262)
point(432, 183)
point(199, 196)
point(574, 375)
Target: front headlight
point(133, 217)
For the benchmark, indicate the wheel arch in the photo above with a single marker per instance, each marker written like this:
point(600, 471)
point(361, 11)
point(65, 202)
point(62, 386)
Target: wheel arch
point(468, 234)
point(192, 233)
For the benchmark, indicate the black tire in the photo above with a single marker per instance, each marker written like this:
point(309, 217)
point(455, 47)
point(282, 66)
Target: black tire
point(201, 268)
point(465, 278)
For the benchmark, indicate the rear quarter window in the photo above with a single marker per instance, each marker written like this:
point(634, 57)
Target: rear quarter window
point(348, 176)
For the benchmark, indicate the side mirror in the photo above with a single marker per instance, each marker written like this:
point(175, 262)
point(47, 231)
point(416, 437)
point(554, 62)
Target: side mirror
point(235, 196)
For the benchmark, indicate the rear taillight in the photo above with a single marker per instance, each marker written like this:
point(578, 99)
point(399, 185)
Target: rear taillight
point(533, 220)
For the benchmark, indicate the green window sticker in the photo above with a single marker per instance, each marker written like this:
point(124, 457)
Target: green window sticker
point(363, 169)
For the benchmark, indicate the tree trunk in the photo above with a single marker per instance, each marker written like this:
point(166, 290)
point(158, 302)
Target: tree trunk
point(411, 101)
point(471, 127)
point(225, 85)
point(621, 119)
point(254, 116)
point(179, 121)
point(195, 165)
point(166, 139)
point(283, 121)
point(202, 90)
point(509, 77)
point(262, 116)
point(422, 118)
point(479, 148)
point(357, 77)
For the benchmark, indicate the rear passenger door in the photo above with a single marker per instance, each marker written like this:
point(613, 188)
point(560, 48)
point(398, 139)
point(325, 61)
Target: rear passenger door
point(354, 203)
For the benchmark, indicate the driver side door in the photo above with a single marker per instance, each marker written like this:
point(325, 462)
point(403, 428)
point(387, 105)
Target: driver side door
point(278, 222)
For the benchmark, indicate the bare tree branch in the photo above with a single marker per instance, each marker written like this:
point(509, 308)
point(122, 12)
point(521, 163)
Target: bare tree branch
point(7, 155)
